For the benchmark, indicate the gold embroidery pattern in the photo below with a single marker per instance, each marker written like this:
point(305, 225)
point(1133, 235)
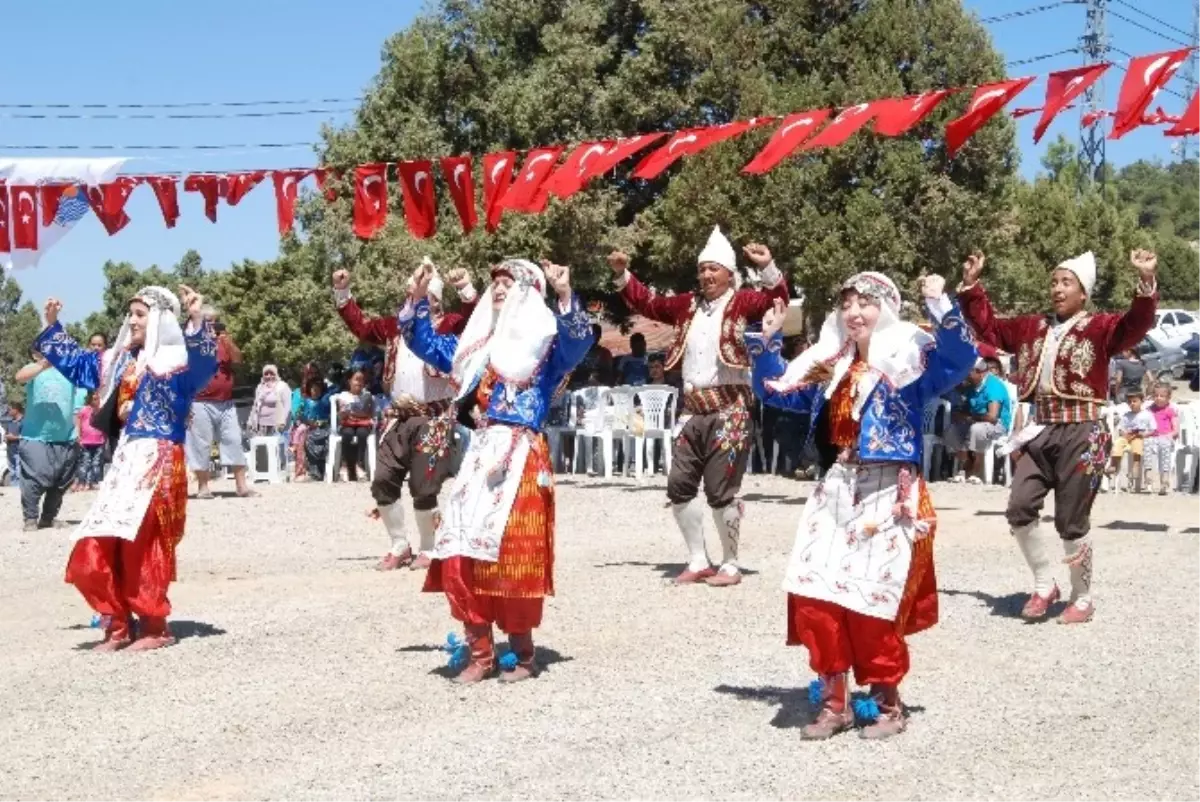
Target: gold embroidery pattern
point(681, 334)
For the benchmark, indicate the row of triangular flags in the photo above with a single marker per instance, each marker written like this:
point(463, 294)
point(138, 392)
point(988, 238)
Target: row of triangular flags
point(542, 176)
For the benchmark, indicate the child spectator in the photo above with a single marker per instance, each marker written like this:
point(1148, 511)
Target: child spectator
point(1134, 426)
point(92, 442)
point(1160, 449)
point(356, 422)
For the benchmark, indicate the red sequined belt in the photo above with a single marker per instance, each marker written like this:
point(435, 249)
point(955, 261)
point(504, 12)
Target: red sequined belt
point(716, 399)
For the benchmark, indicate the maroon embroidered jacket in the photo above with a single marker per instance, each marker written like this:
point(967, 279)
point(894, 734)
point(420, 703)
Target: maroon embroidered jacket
point(1081, 367)
point(746, 307)
point(385, 331)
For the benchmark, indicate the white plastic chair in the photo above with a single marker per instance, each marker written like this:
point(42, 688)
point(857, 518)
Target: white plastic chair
point(929, 435)
point(1187, 446)
point(274, 471)
point(334, 456)
point(658, 412)
point(989, 454)
point(595, 425)
point(555, 434)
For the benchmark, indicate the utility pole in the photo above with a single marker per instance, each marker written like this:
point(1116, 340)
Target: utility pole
point(1094, 44)
point(1187, 146)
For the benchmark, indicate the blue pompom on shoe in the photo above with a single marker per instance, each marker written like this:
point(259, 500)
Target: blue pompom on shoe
point(816, 692)
point(458, 650)
point(866, 709)
point(508, 661)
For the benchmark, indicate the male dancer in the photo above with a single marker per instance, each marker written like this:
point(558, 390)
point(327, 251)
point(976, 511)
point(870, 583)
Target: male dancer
point(1062, 365)
point(418, 432)
point(714, 441)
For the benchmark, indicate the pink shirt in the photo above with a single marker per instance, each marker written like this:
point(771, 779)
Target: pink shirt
point(89, 435)
point(1164, 418)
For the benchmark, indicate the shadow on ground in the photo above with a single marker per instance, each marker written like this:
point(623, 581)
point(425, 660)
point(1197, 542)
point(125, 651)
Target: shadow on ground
point(665, 570)
point(794, 707)
point(1006, 606)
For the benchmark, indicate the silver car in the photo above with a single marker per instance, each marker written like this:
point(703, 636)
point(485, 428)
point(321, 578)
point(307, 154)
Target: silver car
point(1160, 357)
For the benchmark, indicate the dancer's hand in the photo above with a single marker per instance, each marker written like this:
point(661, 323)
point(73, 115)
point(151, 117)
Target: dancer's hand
point(559, 277)
point(972, 269)
point(1146, 263)
point(192, 303)
point(772, 321)
point(341, 280)
point(759, 254)
point(418, 286)
point(53, 307)
point(459, 278)
point(618, 262)
point(933, 287)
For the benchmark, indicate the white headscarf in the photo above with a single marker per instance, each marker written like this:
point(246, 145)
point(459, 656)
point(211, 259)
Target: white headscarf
point(896, 353)
point(515, 339)
point(164, 351)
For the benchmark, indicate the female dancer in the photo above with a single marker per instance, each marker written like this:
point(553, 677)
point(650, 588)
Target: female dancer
point(493, 555)
point(861, 573)
point(124, 555)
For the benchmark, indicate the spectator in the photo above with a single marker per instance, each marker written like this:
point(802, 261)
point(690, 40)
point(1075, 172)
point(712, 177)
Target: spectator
point(214, 419)
point(49, 450)
point(12, 440)
point(300, 394)
point(633, 368)
point(91, 442)
point(1134, 426)
point(356, 422)
point(270, 411)
point(313, 430)
point(985, 417)
point(98, 342)
point(599, 360)
point(1159, 449)
point(1128, 375)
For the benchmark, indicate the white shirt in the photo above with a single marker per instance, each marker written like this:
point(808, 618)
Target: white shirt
point(1054, 336)
point(413, 380)
point(1142, 422)
point(702, 366)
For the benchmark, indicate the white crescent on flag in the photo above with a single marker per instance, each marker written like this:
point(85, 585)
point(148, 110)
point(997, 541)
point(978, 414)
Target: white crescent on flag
point(497, 167)
point(790, 126)
point(459, 169)
point(1071, 84)
point(289, 186)
point(368, 181)
point(593, 149)
point(680, 141)
point(24, 195)
point(420, 176)
point(859, 109)
point(986, 96)
point(916, 106)
point(1152, 71)
point(530, 173)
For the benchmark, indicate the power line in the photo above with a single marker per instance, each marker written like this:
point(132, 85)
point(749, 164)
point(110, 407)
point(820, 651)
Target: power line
point(1122, 69)
point(189, 105)
point(173, 116)
point(1033, 59)
point(1137, 24)
point(1163, 23)
point(1028, 11)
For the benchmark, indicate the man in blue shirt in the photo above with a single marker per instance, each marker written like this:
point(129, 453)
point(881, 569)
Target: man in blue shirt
point(984, 417)
point(49, 450)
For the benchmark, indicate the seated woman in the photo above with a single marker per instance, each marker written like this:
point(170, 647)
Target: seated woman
point(356, 423)
point(494, 550)
point(861, 573)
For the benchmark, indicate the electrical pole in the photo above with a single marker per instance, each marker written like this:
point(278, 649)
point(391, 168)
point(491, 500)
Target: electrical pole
point(1187, 144)
point(1094, 44)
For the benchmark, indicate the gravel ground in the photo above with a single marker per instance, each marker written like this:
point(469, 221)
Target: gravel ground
point(303, 674)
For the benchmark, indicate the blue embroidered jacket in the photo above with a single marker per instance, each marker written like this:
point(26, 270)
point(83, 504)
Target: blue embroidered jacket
point(892, 418)
point(531, 404)
point(162, 403)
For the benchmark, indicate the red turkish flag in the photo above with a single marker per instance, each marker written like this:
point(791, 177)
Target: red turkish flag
point(1188, 124)
point(526, 195)
point(896, 116)
point(619, 152)
point(210, 186)
point(497, 178)
point(691, 141)
point(791, 133)
point(1090, 118)
point(51, 195)
point(370, 199)
point(111, 215)
point(987, 100)
point(321, 174)
point(166, 190)
point(240, 184)
point(24, 217)
point(420, 202)
point(1061, 88)
point(456, 170)
point(115, 194)
point(285, 182)
point(5, 241)
point(843, 126)
point(568, 178)
point(1143, 78)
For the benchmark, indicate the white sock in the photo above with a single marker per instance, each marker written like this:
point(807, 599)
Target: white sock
point(1081, 571)
point(690, 519)
point(728, 520)
point(1033, 546)
point(427, 521)
point(392, 516)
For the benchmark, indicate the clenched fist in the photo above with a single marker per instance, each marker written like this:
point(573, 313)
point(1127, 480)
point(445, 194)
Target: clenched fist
point(459, 278)
point(772, 322)
point(559, 277)
point(759, 254)
point(972, 269)
point(341, 280)
point(618, 262)
point(933, 287)
point(53, 307)
point(1146, 263)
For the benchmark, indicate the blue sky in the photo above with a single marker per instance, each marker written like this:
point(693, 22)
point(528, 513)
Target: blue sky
point(169, 52)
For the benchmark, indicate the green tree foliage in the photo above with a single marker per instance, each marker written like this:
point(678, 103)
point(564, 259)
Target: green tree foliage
point(20, 323)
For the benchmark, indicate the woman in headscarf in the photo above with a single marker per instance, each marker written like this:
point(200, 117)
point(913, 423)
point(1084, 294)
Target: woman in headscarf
point(272, 404)
point(494, 549)
point(124, 555)
point(861, 573)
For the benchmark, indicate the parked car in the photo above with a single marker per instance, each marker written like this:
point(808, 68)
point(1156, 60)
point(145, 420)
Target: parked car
point(1160, 357)
point(1191, 349)
point(1175, 326)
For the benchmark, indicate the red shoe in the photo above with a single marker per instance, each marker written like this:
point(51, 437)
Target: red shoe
point(723, 580)
point(483, 656)
point(421, 563)
point(689, 577)
point(835, 714)
point(1075, 614)
point(1037, 606)
point(151, 642)
point(111, 644)
point(391, 562)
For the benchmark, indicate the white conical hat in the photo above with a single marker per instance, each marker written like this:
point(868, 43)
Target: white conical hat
point(1084, 268)
point(718, 249)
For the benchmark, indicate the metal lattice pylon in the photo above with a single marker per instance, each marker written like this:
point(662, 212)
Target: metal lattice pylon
point(1094, 45)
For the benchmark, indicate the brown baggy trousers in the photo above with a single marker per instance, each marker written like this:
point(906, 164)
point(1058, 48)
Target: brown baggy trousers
point(1069, 459)
point(713, 447)
point(416, 448)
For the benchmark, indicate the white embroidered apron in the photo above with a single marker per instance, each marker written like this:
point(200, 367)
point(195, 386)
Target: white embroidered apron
point(126, 491)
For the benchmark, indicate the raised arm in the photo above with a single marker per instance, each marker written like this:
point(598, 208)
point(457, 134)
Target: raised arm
point(641, 300)
point(1002, 333)
point(1127, 330)
point(767, 364)
point(79, 365)
point(201, 342)
point(574, 335)
point(418, 332)
point(375, 330)
point(953, 354)
point(758, 301)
